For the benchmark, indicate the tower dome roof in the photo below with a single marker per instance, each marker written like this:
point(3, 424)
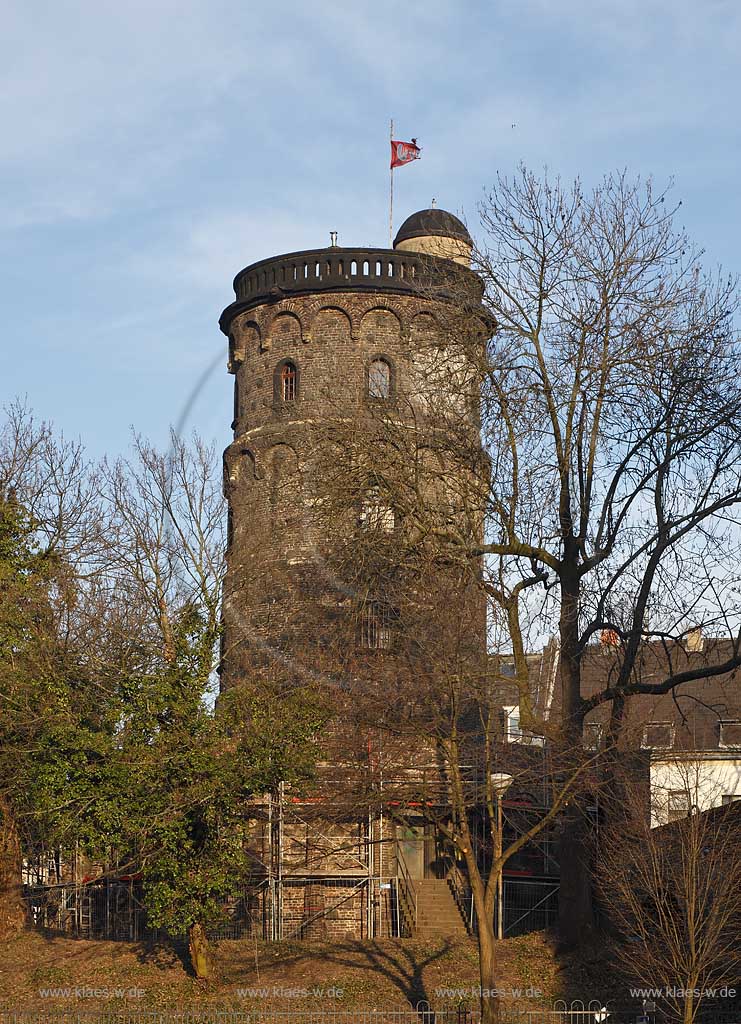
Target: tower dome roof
point(433, 222)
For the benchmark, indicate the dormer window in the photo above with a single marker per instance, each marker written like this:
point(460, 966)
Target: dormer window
point(379, 379)
point(730, 734)
point(658, 736)
point(288, 382)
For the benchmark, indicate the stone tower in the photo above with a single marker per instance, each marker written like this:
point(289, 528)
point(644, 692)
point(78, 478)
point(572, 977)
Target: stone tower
point(315, 336)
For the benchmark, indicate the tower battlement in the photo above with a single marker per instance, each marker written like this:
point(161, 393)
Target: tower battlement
point(356, 270)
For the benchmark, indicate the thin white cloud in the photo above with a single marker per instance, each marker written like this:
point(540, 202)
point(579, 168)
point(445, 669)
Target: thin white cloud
point(151, 149)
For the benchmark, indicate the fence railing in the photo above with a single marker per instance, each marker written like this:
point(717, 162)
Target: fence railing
point(423, 1013)
point(292, 907)
point(529, 905)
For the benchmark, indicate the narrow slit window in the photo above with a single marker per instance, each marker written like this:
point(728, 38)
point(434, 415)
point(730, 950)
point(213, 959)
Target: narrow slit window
point(288, 382)
point(376, 627)
point(376, 513)
point(379, 379)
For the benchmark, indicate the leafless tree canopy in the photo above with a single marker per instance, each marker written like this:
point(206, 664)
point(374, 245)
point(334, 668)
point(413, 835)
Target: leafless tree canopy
point(673, 894)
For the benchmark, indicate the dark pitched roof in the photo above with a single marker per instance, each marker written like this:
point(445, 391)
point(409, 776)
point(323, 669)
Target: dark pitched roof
point(695, 708)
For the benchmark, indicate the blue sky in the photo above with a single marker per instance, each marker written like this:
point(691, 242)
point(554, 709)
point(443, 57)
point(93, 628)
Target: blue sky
point(152, 149)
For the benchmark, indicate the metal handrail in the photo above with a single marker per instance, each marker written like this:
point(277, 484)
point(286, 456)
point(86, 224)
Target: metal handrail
point(407, 888)
point(461, 894)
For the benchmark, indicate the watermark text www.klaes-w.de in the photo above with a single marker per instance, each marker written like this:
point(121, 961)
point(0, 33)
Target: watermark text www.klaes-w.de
point(91, 992)
point(477, 992)
point(282, 992)
point(676, 992)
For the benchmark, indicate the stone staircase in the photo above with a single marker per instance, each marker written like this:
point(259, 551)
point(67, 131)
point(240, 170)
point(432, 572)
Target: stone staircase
point(437, 911)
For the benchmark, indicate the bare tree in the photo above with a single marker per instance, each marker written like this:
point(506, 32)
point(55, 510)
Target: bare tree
point(609, 483)
point(672, 891)
point(418, 686)
point(54, 480)
point(166, 530)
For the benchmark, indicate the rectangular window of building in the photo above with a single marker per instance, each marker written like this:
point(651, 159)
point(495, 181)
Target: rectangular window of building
point(288, 382)
point(379, 379)
point(658, 736)
point(730, 734)
point(730, 798)
point(512, 732)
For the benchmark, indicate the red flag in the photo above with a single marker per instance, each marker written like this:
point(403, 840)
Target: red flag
point(404, 152)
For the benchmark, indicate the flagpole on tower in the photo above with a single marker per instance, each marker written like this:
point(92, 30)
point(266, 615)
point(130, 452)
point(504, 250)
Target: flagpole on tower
point(391, 192)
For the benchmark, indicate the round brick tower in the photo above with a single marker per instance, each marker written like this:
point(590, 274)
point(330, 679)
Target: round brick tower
point(314, 336)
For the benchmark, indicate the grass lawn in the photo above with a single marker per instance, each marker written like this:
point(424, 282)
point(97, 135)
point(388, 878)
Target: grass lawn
point(288, 975)
point(327, 976)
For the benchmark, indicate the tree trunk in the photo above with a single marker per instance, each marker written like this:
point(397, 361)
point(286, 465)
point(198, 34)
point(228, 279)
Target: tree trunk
point(689, 1008)
point(483, 898)
point(575, 899)
point(198, 948)
point(12, 908)
point(487, 976)
point(575, 895)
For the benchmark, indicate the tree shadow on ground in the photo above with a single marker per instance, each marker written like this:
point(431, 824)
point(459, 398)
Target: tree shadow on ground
point(402, 963)
point(590, 971)
point(164, 954)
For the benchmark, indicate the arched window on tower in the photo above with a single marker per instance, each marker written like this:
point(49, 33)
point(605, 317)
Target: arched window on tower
point(288, 382)
point(379, 379)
